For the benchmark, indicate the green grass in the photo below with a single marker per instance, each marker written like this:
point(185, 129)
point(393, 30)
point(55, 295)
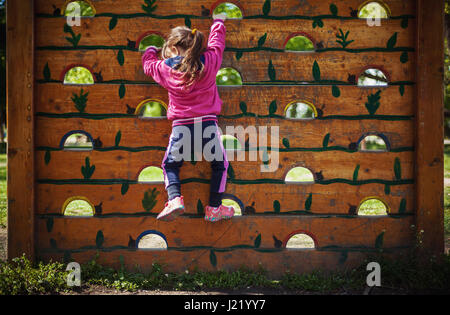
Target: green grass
point(3, 200)
point(447, 191)
point(151, 174)
point(372, 207)
point(403, 275)
point(79, 208)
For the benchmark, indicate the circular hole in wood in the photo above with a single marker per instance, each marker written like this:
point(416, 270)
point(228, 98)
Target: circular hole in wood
point(78, 76)
point(151, 175)
point(299, 175)
point(228, 77)
point(300, 110)
point(231, 10)
point(373, 206)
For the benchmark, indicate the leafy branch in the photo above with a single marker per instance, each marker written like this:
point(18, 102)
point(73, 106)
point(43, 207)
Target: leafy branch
point(342, 38)
point(75, 38)
point(80, 100)
point(149, 6)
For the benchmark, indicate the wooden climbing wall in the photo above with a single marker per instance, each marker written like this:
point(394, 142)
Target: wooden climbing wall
point(272, 78)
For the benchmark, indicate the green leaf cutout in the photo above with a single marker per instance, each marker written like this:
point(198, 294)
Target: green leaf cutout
point(271, 71)
point(392, 41)
point(212, 258)
point(118, 138)
point(286, 143)
point(379, 240)
point(333, 9)
point(47, 74)
point(355, 173)
point(200, 208)
point(317, 23)
point(187, 22)
point(316, 71)
point(276, 206)
point(239, 55)
point(404, 57)
point(49, 225)
point(112, 23)
point(387, 189)
point(80, 101)
point(124, 188)
point(231, 171)
point(273, 107)
point(87, 170)
point(122, 90)
point(373, 102)
point(99, 239)
point(308, 202)
point(262, 40)
point(325, 141)
point(402, 207)
point(149, 6)
point(397, 169)
point(149, 200)
point(404, 22)
point(47, 157)
point(243, 107)
point(266, 7)
point(258, 241)
point(335, 91)
point(120, 57)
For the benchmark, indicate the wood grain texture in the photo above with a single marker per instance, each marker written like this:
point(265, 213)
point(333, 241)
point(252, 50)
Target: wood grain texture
point(240, 33)
point(127, 165)
point(79, 233)
point(276, 263)
point(57, 98)
point(20, 107)
point(250, 7)
point(336, 198)
point(429, 130)
point(253, 66)
point(304, 134)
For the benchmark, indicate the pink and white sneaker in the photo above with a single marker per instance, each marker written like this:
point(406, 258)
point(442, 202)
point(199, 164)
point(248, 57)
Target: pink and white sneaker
point(214, 214)
point(173, 208)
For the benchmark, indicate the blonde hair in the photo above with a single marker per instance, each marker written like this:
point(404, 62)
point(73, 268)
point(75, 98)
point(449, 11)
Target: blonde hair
point(192, 42)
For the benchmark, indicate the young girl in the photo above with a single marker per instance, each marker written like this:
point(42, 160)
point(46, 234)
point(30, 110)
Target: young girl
point(188, 72)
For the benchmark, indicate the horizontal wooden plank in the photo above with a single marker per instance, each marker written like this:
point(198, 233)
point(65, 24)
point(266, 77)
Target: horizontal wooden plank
point(276, 263)
point(240, 33)
point(70, 233)
point(253, 66)
point(127, 165)
point(336, 198)
point(250, 7)
point(57, 98)
point(300, 134)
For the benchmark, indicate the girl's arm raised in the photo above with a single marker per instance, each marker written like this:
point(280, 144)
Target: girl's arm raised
point(153, 66)
point(216, 41)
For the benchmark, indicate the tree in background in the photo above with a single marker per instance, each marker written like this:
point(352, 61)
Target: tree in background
point(2, 69)
point(447, 69)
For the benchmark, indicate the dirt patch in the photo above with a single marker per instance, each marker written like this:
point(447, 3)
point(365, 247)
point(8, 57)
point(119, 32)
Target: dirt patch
point(3, 242)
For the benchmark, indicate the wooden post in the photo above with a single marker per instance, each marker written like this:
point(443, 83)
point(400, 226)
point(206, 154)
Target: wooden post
point(20, 108)
point(429, 129)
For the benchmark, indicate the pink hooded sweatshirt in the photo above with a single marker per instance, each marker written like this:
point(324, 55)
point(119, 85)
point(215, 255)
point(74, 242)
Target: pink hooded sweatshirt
point(201, 98)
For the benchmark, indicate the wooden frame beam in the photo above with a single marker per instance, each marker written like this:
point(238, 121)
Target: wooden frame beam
point(429, 129)
point(20, 119)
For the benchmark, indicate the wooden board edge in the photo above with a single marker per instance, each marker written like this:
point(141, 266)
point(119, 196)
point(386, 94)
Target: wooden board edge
point(20, 113)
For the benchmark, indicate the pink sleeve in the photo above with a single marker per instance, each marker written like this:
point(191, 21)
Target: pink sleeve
point(216, 42)
point(153, 66)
